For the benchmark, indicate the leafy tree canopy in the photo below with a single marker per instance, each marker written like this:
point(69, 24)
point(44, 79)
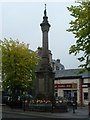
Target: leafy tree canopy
point(18, 65)
point(80, 27)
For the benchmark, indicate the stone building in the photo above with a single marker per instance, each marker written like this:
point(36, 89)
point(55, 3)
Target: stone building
point(56, 65)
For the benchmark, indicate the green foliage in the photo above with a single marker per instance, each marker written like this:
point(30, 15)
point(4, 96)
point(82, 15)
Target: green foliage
point(80, 27)
point(18, 65)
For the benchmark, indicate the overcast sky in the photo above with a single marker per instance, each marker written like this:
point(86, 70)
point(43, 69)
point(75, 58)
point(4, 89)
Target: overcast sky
point(21, 20)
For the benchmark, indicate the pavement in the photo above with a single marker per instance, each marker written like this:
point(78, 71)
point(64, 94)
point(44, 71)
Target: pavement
point(81, 113)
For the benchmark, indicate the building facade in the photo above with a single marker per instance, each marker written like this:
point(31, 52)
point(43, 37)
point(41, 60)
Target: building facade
point(68, 83)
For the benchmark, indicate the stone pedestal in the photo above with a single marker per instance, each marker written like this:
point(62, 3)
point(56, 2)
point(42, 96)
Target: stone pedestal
point(44, 84)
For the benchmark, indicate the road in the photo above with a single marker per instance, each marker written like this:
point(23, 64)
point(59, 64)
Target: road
point(8, 115)
point(16, 115)
point(22, 116)
point(19, 114)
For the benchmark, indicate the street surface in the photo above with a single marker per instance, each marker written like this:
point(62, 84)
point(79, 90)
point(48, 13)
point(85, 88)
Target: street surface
point(16, 114)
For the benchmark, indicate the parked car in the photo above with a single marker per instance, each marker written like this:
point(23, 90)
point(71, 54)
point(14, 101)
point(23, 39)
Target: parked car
point(61, 100)
point(6, 99)
point(26, 97)
point(18, 101)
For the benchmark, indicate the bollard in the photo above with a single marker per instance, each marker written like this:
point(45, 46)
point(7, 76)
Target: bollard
point(89, 108)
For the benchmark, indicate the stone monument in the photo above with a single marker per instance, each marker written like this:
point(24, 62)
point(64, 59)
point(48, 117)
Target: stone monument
point(44, 83)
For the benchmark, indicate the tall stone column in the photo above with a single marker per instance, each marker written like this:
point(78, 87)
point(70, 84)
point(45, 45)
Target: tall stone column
point(44, 83)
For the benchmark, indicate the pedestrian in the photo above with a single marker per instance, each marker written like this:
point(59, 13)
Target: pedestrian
point(74, 104)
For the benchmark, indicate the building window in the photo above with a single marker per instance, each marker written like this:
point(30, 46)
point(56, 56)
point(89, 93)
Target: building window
point(85, 96)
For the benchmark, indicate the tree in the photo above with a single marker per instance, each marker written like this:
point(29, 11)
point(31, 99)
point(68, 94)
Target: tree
point(18, 66)
point(80, 27)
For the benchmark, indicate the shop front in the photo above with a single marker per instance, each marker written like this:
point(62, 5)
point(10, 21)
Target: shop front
point(69, 83)
point(67, 90)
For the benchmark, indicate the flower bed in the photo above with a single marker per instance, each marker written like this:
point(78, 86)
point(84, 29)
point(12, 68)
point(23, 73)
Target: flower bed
point(40, 105)
point(47, 106)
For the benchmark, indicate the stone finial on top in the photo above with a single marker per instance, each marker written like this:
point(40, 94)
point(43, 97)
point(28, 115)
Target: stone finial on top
point(45, 13)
